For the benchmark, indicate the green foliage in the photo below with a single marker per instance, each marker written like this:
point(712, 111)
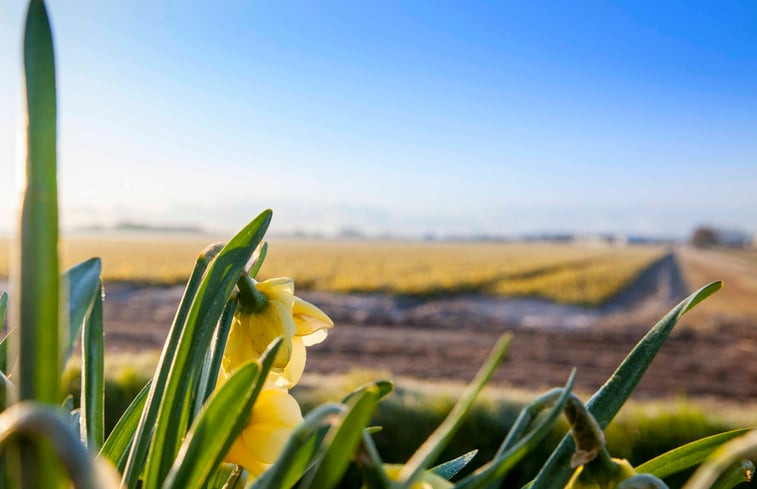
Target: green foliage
point(181, 425)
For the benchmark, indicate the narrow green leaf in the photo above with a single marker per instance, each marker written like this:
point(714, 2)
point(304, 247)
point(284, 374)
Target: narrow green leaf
point(300, 449)
point(82, 283)
point(116, 447)
point(342, 440)
point(213, 432)
point(258, 260)
point(608, 400)
point(39, 273)
point(734, 475)
point(4, 342)
point(449, 469)
point(495, 470)
point(37, 316)
point(686, 456)
point(212, 295)
point(721, 460)
point(385, 387)
point(370, 464)
point(433, 446)
point(213, 358)
point(143, 434)
point(92, 404)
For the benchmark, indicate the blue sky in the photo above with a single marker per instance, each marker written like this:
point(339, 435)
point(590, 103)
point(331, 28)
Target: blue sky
point(413, 117)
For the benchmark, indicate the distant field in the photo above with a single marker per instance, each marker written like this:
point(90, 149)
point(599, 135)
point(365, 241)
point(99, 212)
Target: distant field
point(560, 272)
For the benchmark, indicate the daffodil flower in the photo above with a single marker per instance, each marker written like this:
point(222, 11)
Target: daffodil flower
point(277, 312)
point(274, 416)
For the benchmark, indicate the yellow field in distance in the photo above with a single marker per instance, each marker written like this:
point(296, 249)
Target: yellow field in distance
point(561, 272)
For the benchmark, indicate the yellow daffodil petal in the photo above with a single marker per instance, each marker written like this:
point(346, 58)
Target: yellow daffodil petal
point(310, 321)
point(265, 326)
point(278, 289)
point(274, 416)
point(292, 373)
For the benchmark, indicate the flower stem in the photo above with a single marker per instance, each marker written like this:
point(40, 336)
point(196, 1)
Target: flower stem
point(250, 298)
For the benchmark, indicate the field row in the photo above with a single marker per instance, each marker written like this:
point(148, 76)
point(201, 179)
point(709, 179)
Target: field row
point(560, 272)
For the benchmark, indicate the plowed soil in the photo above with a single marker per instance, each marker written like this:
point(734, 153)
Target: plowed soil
point(710, 354)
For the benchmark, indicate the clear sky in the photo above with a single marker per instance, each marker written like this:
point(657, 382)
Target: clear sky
point(412, 117)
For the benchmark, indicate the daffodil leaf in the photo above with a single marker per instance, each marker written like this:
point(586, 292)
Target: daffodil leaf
point(717, 465)
point(92, 404)
point(83, 284)
point(734, 475)
point(300, 449)
point(4, 343)
point(142, 435)
point(259, 259)
point(342, 440)
point(212, 295)
point(608, 400)
point(449, 469)
point(212, 363)
point(686, 456)
point(492, 472)
point(433, 446)
point(213, 432)
point(370, 463)
point(116, 447)
point(385, 387)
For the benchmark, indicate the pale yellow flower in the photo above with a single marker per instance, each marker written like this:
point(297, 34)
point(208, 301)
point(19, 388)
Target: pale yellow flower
point(428, 480)
point(300, 324)
point(274, 416)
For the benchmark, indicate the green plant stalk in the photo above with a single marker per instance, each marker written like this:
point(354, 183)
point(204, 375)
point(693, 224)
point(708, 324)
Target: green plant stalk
point(36, 280)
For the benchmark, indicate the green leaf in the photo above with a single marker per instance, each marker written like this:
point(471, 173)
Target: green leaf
point(3, 307)
point(722, 459)
point(4, 342)
point(142, 436)
point(495, 470)
point(83, 284)
point(385, 387)
point(216, 428)
point(608, 400)
point(342, 440)
point(300, 449)
point(39, 291)
point(433, 446)
point(213, 358)
point(734, 475)
point(449, 469)
point(686, 456)
point(92, 404)
point(214, 291)
point(258, 260)
point(116, 447)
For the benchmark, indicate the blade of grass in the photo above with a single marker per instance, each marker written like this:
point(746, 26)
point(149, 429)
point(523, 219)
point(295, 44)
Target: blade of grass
point(83, 284)
point(433, 446)
point(687, 456)
point(212, 295)
point(116, 447)
point(92, 404)
point(143, 433)
point(607, 401)
point(494, 471)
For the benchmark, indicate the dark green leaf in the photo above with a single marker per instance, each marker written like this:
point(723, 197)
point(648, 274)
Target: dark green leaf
point(686, 456)
point(212, 295)
point(449, 469)
point(93, 377)
point(82, 284)
point(608, 400)
point(116, 447)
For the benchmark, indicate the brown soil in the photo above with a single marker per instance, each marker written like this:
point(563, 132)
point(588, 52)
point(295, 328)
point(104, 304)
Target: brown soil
point(450, 338)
